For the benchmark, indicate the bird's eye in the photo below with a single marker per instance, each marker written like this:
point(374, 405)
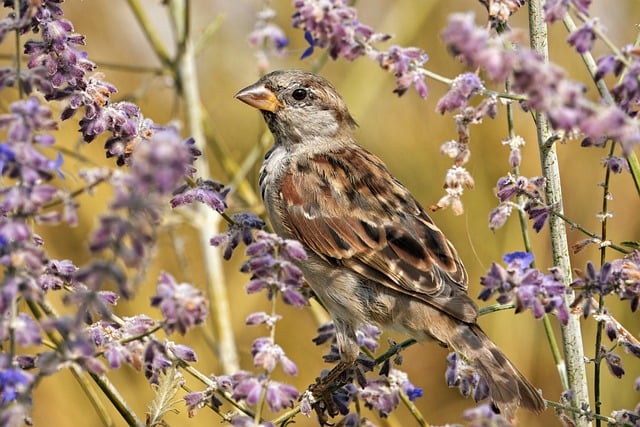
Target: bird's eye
point(299, 94)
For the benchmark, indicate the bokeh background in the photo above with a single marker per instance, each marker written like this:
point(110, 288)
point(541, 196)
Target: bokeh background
point(406, 132)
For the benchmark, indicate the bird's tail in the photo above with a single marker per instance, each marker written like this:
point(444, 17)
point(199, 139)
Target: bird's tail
point(508, 388)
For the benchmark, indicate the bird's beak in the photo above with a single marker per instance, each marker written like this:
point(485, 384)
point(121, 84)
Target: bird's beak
point(259, 96)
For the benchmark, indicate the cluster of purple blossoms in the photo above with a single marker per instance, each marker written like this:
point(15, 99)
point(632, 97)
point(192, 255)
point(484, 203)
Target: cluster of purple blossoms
point(464, 376)
point(16, 384)
point(406, 65)
point(544, 84)
point(334, 25)
point(240, 229)
point(272, 264)
point(130, 341)
point(555, 10)
point(484, 415)
point(462, 89)
point(156, 168)
point(527, 287)
point(267, 355)
point(620, 277)
point(625, 66)
point(209, 192)
point(584, 37)
point(158, 162)
point(267, 37)
point(244, 386)
point(508, 189)
point(383, 393)
point(182, 305)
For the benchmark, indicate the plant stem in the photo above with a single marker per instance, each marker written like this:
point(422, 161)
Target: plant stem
point(208, 221)
point(571, 333)
point(149, 32)
point(590, 63)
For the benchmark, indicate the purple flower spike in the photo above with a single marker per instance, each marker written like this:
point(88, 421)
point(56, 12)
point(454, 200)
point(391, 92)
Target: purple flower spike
point(272, 265)
point(182, 305)
point(527, 287)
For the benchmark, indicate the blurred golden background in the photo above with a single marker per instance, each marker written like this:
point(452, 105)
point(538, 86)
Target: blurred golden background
point(405, 132)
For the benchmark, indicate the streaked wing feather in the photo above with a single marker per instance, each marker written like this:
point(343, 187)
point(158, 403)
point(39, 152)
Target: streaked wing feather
point(375, 227)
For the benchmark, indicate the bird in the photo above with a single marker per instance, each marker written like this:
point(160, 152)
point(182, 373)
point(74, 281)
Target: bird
point(374, 254)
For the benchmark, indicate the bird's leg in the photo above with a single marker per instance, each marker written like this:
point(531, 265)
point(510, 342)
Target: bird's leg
point(324, 387)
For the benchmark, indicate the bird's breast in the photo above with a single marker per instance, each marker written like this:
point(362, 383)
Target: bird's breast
point(274, 168)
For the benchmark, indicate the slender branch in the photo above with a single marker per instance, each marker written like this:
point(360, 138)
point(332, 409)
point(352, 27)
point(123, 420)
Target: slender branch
point(37, 309)
point(413, 409)
point(117, 400)
point(208, 221)
point(590, 63)
point(93, 396)
point(149, 32)
point(571, 333)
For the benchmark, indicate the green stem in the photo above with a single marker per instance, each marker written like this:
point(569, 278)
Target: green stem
point(571, 333)
point(107, 421)
point(149, 32)
point(582, 413)
point(413, 409)
point(601, 85)
point(37, 310)
point(116, 400)
point(600, 325)
point(207, 220)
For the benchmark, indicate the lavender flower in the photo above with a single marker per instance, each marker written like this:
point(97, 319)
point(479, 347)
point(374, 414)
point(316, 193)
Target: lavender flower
point(249, 388)
point(613, 362)
point(368, 336)
point(474, 47)
point(515, 144)
point(620, 276)
point(627, 418)
point(75, 346)
point(555, 10)
point(209, 192)
point(335, 26)
point(509, 187)
point(20, 159)
point(182, 305)
point(545, 84)
point(14, 383)
point(462, 89)
point(26, 331)
point(405, 63)
point(244, 421)
point(272, 265)
point(464, 376)
point(240, 229)
point(155, 360)
point(582, 38)
point(110, 338)
point(198, 399)
point(527, 287)
point(267, 37)
point(382, 394)
point(55, 58)
point(266, 355)
point(484, 415)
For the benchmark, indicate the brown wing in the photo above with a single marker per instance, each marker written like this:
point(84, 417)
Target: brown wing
point(374, 226)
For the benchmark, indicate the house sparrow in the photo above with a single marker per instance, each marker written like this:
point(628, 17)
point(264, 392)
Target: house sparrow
point(374, 255)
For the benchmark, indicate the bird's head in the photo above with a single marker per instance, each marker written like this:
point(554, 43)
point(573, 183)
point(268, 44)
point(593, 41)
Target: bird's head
point(300, 107)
